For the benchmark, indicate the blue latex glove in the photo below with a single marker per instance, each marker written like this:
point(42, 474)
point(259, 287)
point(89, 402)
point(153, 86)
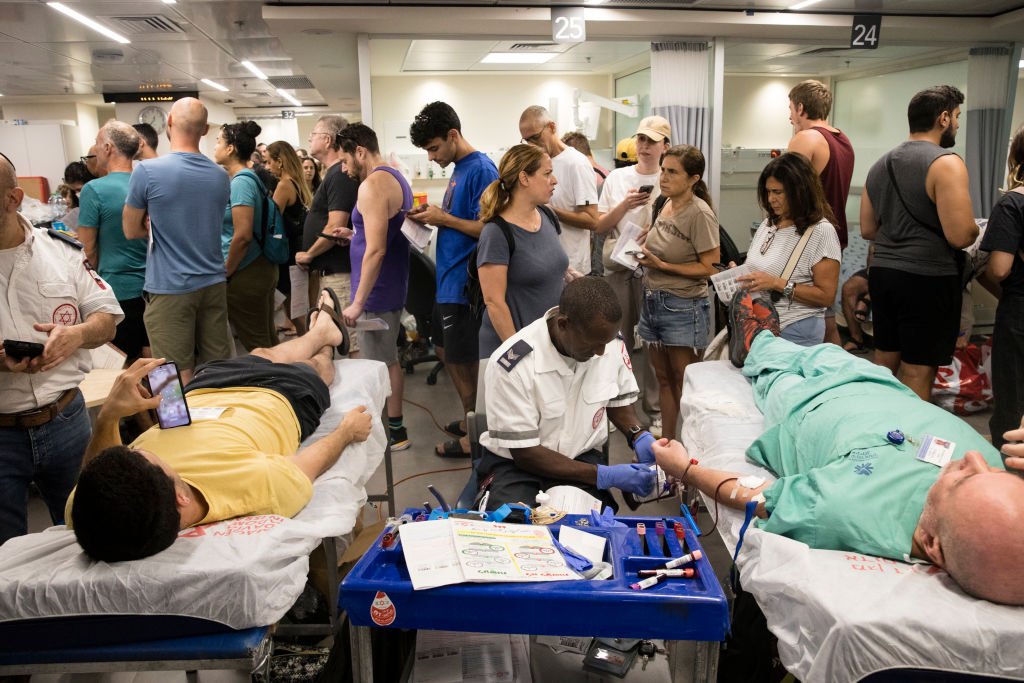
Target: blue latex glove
point(604, 519)
point(576, 562)
point(635, 478)
point(642, 446)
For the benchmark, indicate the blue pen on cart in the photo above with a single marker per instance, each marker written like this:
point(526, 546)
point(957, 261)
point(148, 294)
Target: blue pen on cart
point(445, 507)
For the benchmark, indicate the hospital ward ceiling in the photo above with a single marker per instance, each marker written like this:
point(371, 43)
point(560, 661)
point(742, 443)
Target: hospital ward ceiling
point(310, 50)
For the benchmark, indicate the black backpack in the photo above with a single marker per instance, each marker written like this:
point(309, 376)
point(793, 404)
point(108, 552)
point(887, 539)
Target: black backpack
point(729, 250)
point(473, 293)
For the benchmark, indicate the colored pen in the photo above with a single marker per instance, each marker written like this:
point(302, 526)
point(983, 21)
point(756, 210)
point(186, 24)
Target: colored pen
point(641, 531)
point(685, 559)
point(647, 583)
point(688, 573)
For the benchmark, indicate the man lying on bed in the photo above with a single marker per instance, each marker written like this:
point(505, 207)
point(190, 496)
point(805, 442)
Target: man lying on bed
point(844, 485)
point(131, 501)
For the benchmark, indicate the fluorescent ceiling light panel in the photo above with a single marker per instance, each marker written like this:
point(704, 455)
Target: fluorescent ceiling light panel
point(805, 3)
point(214, 85)
point(255, 71)
point(517, 57)
point(1020, 64)
point(288, 97)
point(170, 2)
point(82, 19)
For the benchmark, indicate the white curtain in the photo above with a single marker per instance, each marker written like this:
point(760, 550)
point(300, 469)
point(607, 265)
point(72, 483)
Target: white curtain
point(988, 73)
point(679, 91)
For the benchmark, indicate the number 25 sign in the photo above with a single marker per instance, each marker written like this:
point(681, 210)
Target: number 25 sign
point(568, 25)
point(866, 31)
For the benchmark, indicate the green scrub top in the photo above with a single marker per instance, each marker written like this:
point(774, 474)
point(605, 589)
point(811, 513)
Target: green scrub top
point(842, 485)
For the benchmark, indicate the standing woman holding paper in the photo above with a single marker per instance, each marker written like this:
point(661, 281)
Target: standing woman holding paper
point(521, 284)
point(679, 254)
point(795, 252)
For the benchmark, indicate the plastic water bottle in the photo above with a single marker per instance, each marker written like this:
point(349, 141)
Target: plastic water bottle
point(58, 209)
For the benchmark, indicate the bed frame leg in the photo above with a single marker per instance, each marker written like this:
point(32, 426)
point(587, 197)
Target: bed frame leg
point(705, 661)
point(362, 654)
point(331, 556)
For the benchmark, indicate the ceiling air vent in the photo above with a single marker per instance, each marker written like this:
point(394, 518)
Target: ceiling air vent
point(143, 24)
point(823, 51)
point(292, 83)
point(523, 47)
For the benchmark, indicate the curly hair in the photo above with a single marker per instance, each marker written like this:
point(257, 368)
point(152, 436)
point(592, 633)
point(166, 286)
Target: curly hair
point(433, 121)
point(804, 194)
point(124, 507)
point(243, 136)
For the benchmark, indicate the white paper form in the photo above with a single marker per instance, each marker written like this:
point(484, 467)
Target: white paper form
point(629, 236)
point(418, 234)
point(590, 546)
point(430, 555)
point(483, 658)
point(572, 500)
point(490, 551)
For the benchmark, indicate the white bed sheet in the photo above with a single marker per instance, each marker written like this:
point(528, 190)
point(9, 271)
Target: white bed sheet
point(242, 573)
point(840, 616)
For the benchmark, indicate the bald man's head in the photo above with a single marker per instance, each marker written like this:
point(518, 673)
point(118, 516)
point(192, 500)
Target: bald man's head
point(8, 176)
point(981, 532)
point(534, 115)
point(188, 117)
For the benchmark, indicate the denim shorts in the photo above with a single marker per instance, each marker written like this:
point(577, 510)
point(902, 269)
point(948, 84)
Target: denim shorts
point(674, 321)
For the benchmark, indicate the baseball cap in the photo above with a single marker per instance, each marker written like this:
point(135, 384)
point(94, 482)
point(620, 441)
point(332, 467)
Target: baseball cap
point(626, 150)
point(656, 128)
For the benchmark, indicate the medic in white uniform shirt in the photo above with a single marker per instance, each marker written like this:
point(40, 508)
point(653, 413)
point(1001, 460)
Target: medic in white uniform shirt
point(55, 307)
point(548, 390)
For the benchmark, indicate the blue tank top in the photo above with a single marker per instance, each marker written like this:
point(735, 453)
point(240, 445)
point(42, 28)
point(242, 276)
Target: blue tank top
point(393, 281)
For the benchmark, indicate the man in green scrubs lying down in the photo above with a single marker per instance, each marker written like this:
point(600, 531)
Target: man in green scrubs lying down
point(844, 437)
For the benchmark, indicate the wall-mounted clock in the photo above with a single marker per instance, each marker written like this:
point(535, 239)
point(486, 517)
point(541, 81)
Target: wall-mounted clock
point(154, 116)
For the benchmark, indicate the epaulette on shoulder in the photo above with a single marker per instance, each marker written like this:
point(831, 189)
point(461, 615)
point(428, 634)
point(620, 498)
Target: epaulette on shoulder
point(514, 354)
point(64, 237)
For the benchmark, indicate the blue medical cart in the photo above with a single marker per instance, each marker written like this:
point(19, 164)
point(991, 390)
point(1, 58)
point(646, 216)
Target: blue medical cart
point(378, 593)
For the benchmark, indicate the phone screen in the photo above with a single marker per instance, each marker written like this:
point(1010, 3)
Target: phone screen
point(172, 411)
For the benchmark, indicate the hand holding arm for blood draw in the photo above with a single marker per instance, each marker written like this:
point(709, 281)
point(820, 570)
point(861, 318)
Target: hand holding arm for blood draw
point(672, 457)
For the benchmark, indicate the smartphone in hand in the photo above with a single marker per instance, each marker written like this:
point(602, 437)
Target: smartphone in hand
point(165, 381)
point(20, 350)
point(646, 189)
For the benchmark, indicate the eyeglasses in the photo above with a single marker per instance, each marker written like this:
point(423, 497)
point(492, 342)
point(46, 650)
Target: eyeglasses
point(317, 132)
point(768, 241)
point(86, 158)
point(535, 138)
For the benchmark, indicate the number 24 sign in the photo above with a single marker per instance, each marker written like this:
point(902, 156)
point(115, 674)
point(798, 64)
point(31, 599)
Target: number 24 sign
point(867, 29)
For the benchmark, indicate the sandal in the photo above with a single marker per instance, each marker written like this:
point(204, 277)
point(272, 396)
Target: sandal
point(334, 312)
point(454, 429)
point(862, 311)
point(451, 449)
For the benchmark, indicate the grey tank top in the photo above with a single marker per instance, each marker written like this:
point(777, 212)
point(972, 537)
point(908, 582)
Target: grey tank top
point(902, 242)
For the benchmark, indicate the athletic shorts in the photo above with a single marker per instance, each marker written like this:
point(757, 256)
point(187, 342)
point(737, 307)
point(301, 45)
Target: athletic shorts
point(457, 331)
point(131, 332)
point(298, 383)
point(381, 345)
point(917, 316)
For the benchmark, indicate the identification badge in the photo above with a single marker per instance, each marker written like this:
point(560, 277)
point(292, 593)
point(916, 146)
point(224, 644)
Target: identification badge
point(936, 451)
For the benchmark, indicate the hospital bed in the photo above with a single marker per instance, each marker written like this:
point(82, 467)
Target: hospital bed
point(840, 616)
point(217, 587)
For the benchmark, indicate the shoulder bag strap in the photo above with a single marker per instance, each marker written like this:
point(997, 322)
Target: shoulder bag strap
point(899, 195)
point(506, 230)
point(798, 251)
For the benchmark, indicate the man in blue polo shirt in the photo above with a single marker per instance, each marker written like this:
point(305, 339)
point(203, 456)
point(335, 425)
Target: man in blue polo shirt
point(437, 130)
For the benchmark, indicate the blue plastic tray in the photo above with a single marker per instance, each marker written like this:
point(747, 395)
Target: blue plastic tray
point(377, 592)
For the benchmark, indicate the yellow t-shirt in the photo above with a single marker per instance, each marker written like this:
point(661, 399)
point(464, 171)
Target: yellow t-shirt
point(238, 460)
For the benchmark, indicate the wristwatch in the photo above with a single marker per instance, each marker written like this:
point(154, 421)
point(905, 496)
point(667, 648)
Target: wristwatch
point(787, 291)
point(632, 432)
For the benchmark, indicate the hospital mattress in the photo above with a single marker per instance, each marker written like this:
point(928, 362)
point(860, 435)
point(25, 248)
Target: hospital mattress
point(241, 572)
point(840, 616)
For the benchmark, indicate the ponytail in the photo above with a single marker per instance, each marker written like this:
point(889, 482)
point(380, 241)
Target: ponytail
point(498, 195)
point(701, 190)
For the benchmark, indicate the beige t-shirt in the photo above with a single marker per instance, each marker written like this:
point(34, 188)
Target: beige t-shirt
point(681, 239)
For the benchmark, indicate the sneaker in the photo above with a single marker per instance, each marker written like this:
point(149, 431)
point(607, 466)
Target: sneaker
point(400, 439)
point(656, 427)
point(748, 316)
